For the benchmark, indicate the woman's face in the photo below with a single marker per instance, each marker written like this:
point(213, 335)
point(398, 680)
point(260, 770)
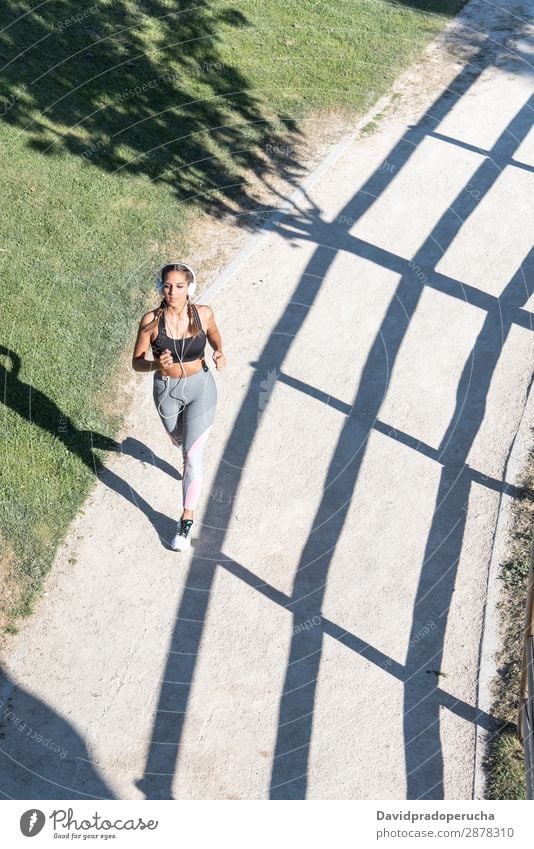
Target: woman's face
point(175, 287)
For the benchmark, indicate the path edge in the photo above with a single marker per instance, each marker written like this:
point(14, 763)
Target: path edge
point(490, 642)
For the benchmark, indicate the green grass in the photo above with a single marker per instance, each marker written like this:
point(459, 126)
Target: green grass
point(506, 767)
point(101, 182)
point(506, 778)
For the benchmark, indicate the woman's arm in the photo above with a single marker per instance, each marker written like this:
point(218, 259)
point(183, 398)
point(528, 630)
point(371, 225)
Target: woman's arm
point(142, 344)
point(214, 338)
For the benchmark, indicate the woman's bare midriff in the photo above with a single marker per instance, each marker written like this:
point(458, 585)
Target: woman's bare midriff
point(187, 369)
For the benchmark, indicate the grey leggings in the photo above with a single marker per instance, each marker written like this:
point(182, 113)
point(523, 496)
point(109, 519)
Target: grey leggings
point(186, 406)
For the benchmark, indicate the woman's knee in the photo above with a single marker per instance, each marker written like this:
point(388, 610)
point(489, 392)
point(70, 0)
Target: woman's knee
point(195, 448)
point(176, 439)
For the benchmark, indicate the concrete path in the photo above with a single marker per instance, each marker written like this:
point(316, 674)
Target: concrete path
point(322, 638)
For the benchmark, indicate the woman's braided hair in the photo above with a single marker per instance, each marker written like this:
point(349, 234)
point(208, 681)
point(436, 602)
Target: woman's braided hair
point(192, 328)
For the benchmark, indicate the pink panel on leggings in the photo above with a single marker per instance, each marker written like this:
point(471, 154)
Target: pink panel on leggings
point(193, 490)
point(198, 443)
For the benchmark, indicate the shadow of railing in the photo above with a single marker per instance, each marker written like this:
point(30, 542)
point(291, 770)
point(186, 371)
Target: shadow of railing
point(423, 696)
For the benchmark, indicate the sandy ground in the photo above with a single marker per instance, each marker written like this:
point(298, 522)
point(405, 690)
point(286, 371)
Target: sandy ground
point(322, 637)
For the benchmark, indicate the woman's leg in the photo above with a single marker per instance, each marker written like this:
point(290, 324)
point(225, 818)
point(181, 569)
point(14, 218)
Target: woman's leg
point(201, 402)
point(169, 401)
point(186, 407)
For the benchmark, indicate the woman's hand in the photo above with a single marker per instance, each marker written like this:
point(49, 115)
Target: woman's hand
point(165, 360)
point(219, 359)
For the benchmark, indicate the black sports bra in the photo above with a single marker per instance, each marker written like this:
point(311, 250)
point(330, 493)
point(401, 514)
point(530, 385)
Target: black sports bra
point(188, 349)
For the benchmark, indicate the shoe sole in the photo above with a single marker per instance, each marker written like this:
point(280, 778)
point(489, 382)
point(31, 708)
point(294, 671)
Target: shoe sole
point(181, 546)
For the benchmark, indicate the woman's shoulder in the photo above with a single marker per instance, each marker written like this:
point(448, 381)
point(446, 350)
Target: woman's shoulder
point(204, 312)
point(148, 319)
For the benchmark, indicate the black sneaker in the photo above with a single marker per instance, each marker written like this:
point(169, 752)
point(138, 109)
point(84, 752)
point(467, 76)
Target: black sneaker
point(182, 538)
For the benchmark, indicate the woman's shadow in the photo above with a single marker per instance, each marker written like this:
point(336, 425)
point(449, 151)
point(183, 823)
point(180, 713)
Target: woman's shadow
point(39, 410)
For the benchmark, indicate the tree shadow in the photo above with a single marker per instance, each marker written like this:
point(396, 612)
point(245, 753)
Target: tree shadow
point(98, 84)
point(436, 7)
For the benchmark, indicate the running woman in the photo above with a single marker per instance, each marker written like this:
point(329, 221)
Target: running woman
point(184, 390)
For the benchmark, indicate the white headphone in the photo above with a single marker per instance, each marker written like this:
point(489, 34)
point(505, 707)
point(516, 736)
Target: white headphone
point(191, 289)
